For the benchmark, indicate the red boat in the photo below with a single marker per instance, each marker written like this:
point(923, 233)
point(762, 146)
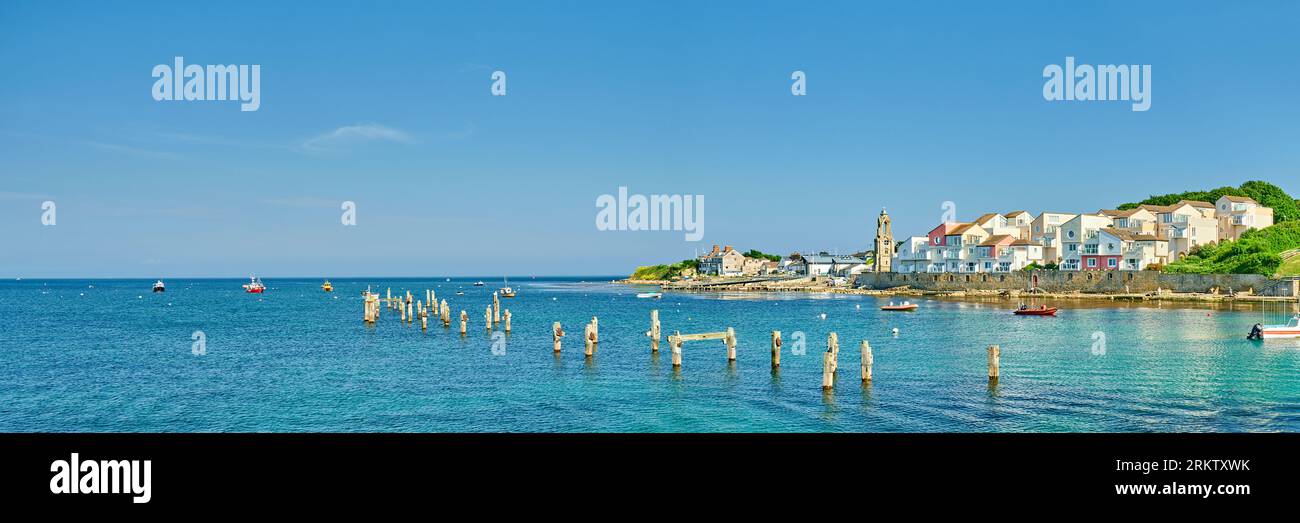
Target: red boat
point(1041, 310)
point(254, 285)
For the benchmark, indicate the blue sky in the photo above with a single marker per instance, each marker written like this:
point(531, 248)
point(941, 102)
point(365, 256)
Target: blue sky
point(389, 106)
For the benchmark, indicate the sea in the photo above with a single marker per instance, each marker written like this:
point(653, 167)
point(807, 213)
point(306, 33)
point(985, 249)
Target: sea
point(205, 356)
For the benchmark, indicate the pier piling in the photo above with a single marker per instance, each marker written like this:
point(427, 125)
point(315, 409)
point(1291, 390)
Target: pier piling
point(867, 361)
point(507, 316)
point(995, 362)
point(556, 334)
point(675, 341)
point(731, 344)
point(591, 338)
point(496, 308)
point(653, 333)
point(464, 320)
point(776, 349)
point(487, 318)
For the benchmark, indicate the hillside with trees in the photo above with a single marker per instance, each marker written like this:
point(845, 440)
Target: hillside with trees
point(1284, 206)
point(1259, 251)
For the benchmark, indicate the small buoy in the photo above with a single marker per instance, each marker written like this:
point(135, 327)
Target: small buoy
point(896, 331)
point(139, 297)
point(823, 316)
point(858, 306)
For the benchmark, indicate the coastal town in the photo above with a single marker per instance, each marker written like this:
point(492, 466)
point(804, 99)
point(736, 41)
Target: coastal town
point(1143, 238)
point(1020, 250)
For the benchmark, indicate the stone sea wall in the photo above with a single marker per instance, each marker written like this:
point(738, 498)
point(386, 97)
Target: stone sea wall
point(1082, 281)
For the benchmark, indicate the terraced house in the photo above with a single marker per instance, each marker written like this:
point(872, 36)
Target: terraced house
point(1128, 240)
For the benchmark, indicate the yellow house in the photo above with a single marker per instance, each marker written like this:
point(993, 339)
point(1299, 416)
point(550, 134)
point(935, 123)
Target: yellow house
point(1238, 214)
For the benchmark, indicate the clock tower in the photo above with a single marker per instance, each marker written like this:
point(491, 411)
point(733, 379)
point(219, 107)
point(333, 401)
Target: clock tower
point(884, 243)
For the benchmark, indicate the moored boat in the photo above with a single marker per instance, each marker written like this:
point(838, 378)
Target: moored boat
point(905, 306)
point(254, 285)
point(507, 291)
point(159, 287)
point(479, 283)
point(327, 286)
point(1041, 310)
point(654, 295)
point(1291, 330)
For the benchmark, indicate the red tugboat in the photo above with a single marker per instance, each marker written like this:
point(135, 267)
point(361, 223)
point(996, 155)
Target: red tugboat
point(254, 285)
point(1041, 310)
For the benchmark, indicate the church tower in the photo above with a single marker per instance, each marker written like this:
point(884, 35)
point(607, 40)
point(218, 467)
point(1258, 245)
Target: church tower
point(884, 243)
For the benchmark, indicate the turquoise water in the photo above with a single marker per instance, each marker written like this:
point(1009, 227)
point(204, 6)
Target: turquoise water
point(108, 355)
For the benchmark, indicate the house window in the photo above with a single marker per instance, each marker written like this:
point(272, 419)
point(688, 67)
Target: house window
point(1092, 262)
point(1070, 234)
point(1111, 263)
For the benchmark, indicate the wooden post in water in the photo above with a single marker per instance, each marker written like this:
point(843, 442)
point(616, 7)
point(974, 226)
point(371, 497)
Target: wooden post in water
point(464, 320)
point(995, 362)
point(776, 349)
point(675, 341)
point(589, 337)
point(424, 318)
point(403, 307)
point(653, 333)
point(556, 334)
point(496, 308)
point(388, 297)
point(445, 312)
point(507, 316)
point(833, 343)
point(595, 330)
point(410, 313)
point(487, 318)
point(828, 375)
point(731, 344)
point(867, 361)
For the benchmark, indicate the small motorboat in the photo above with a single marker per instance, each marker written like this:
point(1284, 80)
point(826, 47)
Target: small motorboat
point(159, 287)
point(254, 285)
point(1272, 332)
point(507, 291)
point(479, 283)
point(652, 295)
point(460, 293)
point(905, 306)
point(1041, 310)
point(327, 286)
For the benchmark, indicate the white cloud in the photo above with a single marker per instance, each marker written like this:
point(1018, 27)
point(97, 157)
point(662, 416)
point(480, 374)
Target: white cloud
point(353, 134)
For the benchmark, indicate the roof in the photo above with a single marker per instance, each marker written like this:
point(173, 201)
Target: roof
point(1023, 242)
point(1015, 213)
point(1129, 236)
point(998, 239)
point(1160, 208)
point(1119, 214)
point(958, 229)
point(837, 259)
point(1240, 199)
point(987, 217)
point(1195, 203)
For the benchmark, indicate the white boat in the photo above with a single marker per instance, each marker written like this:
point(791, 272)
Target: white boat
point(158, 286)
point(655, 295)
point(479, 283)
point(1272, 332)
point(507, 291)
